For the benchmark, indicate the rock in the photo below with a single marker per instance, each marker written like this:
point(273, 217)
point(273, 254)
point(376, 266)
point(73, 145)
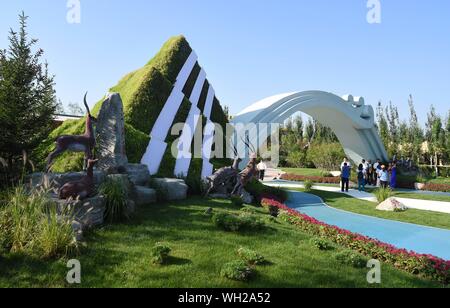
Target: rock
point(219, 196)
point(144, 195)
point(111, 135)
point(89, 213)
point(131, 208)
point(392, 205)
point(174, 189)
point(246, 197)
point(78, 230)
point(57, 180)
point(138, 174)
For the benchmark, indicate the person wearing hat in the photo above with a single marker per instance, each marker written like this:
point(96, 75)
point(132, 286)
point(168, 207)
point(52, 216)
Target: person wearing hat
point(384, 177)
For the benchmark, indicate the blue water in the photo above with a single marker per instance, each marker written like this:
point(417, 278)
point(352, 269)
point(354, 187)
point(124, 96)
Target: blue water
point(421, 239)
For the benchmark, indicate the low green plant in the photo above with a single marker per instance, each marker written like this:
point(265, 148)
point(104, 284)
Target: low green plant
point(251, 257)
point(321, 244)
point(116, 193)
point(382, 194)
point(351, 258)
point(160, 253)
point(284, 216)
point(237, 270)
point(249, 209)
point(258, 190)
point(309, 185)
point(234, 223)
point(237, 201)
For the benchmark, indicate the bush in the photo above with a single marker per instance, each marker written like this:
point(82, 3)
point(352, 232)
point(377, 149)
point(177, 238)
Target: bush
point(234, 223)
point(237, 270)
point(249, 210)
point(326, 155)
point(258, 190)
point(30, 224)
point(309, 185)
point(116, 193)
point(382, 194)
point(160, 253)
point(351, 258)
point(321, 244)
point(315, 179)
point(237, 201)
point(250, 257)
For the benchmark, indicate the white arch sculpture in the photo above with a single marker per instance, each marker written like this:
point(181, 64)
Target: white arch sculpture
point(352, 121)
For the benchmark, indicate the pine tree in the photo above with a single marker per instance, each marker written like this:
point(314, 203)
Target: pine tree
point(27, 97)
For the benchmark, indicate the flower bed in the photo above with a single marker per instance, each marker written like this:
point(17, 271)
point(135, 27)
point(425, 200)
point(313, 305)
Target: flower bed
point(418, 264)
point(436, 187)
point(315, 179)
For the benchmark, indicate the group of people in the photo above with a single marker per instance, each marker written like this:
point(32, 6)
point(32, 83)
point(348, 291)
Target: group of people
point(375, 174)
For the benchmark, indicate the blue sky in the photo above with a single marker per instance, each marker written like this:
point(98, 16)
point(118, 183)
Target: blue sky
point(252, 49)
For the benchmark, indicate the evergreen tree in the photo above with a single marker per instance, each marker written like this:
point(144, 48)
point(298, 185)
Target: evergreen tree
point(383, 128)
point(299, 128)
point(27, 97)
point(415, 133)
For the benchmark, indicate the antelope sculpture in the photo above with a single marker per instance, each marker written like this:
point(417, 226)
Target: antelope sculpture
point(82, 143)
point(81, 189)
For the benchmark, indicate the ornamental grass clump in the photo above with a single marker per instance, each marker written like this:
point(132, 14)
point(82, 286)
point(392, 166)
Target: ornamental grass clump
point(116, 193)
point(30, 224)
point(382, 194)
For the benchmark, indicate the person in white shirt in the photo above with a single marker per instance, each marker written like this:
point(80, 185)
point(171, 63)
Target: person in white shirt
point(262, 170)
point(346, 162)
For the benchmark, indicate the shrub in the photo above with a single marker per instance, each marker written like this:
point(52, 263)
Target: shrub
point(116, 193)
point(309, 185)
point(321, 244)
point(437, 187)
point(258, 190)
point(237, 270)
point(315, 179)
point(160, 253)
point(326, 155)
point(251, 257)
point(249, 210)
point(382, 194)
point(237, 201)
point(351, 258)
point(326, 174)
point(284, 216)
point(30, 224)
point(232, 222)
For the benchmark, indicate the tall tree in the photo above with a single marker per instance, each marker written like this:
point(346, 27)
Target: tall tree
point(27, 97)
point(415, 133)
point(383, 127)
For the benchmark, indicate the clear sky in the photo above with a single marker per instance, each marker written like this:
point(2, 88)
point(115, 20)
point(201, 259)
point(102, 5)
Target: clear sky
point(252, 49)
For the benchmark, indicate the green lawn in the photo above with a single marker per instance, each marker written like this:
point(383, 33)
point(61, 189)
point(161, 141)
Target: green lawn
point(442, 198)
point(304, 171)
point(119, 256)
point(347, 203)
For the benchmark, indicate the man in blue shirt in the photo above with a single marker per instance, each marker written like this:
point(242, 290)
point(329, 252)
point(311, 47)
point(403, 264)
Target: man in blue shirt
point(345, 180)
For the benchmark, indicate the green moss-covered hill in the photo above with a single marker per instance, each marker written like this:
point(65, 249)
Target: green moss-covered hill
point(144, 93)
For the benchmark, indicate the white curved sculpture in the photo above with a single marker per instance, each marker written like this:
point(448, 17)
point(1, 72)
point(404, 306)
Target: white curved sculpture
point(352, 121)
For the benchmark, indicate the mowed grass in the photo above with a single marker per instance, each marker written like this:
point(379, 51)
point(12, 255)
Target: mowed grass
point(347, 203)
point(120, 256)
point(430, 197)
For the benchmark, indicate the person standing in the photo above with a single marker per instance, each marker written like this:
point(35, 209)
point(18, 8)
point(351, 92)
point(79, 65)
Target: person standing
point(345, 177)
point(361, 179)
point(262, 167)
point(370, 173)
point(384, 177)
point(377, 169)
point(346, 161)
point(394, 176)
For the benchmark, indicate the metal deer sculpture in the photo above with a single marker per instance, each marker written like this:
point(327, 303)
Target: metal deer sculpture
point(80, 189)
point(224, 177)
point(82, 143)
point(231, 177)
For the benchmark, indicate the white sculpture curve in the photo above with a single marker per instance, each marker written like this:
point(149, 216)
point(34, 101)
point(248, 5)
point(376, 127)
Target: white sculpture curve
point(352, 121)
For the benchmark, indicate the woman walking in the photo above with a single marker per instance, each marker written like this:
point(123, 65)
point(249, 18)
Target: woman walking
point(361, 178)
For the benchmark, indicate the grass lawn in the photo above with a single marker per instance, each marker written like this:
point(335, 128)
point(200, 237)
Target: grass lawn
point(304, 171)
point(440, 180)
point(347, 203)
point(120, 255)
point(401, 194)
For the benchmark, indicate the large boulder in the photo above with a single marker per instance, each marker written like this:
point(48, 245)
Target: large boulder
point(144, 195)
point(173, 189)
point(111, 135)
point(57, 180)
point(392, 205)
point(88, 213)
point(138, 174)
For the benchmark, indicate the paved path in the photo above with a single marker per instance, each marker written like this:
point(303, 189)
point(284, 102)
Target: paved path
point(426, 205)
point(421, 239)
